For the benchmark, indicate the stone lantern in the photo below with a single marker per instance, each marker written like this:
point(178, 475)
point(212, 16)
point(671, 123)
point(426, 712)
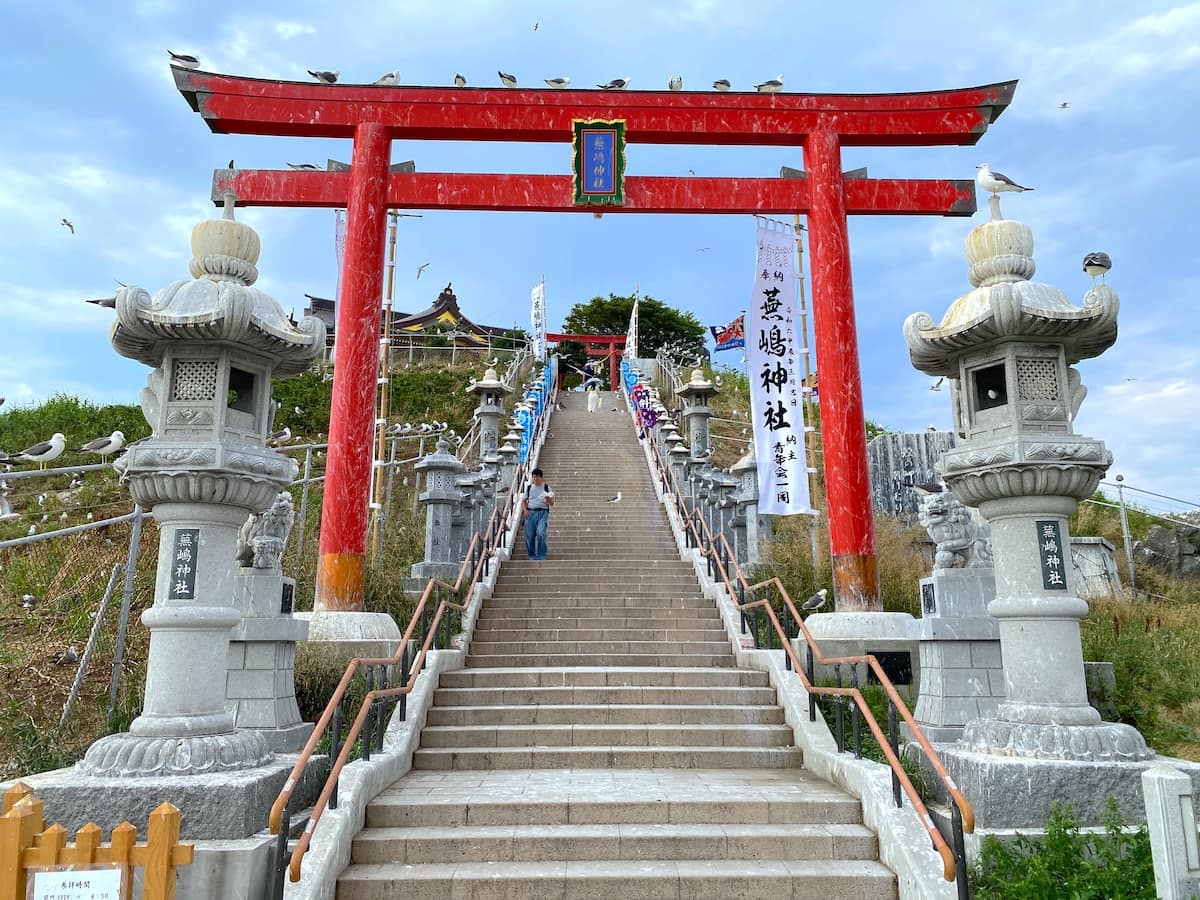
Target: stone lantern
point(745, 519)
point(214, 343)
point(440, 497)
point(696, 412)
point(492, 392)
point(508, 461)
point(1010, 346)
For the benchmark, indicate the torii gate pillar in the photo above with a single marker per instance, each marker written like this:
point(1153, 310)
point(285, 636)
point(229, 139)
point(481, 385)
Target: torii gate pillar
point(843, 433)
point(352, 414)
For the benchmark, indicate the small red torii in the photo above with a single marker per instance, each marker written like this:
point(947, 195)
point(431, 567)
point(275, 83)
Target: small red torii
point(607, 346)
point(373, 116)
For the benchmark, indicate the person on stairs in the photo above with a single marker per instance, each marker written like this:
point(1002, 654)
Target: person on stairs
point(535, 513)
point(591, 385)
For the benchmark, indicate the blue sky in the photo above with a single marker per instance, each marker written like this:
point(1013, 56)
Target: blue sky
point(96, 132)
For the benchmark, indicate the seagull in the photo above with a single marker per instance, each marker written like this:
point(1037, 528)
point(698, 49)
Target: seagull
point(32, 530)
point(28, 601)
point(391, 79)
point(703, 249)
point(231, 165)
point(535, 25)
point(68, 657)
point(69, 225)
point(993, 394)
point(1065, 104)
point(558, 82)
point(184, 60)
point(297, 410)
point(937, 385)
point(1097, 265)
point(617, 84)
point(675, 84)
point(816, 601)
point(460, 80)
point(509, 81)
point(771, 86)
point(325, 77)
point(279, 437)
point(421, 268)
point(41, 499)
point(616, 499)
point(104, 446)
point(304, 167)
point(44, 452)
point(722, 85)
point(997, 183)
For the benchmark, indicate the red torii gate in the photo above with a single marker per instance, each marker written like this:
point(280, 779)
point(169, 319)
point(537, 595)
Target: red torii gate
point(822, 124)
point(608, 346)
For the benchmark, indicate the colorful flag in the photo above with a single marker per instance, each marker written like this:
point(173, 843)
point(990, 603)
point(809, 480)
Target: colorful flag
point(727, 337)
point(773, 367)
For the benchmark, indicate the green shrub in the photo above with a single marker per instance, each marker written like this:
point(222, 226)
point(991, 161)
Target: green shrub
point(1066, 863)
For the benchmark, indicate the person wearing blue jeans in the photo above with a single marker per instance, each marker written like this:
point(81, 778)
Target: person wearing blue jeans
point(535, 512)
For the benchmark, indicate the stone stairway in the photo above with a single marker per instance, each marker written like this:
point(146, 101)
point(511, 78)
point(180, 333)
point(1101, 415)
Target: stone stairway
point(600, 742)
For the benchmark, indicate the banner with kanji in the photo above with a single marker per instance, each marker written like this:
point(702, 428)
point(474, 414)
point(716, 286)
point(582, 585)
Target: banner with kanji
point(728, 337)
point(631, 333)
point(537, 316)
point(773, 367)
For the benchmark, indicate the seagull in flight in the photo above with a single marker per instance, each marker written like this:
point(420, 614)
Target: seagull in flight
point(304, 167)
point(722, 85)
point(184, 60)
point(325, 77)
point(616, 499)
point(937, 385)
point(816, 601)
point(617, 84)
point(1065, 104)
point(421, 268)
point(675, 84)
point(509, 81)
point(997, 183)
point(558, 82)
point(391, 79)
point(535, 25)
point(771, 86)
point(1097, 265)
point(69, 225)
point(460, 80)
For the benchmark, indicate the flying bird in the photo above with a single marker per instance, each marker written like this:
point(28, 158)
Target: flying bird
point(509, 81)
point(104, 447)
point(617, 84)
point(184, 60)
point(535, 25)
point(69, 225)
point(421, 268)
point(391, 79)
point(816, 601)
point(616, 499)
point(558, 82)
point(771, 86)
point(722, 84)
point(675, 84)
point(325, 77)
point(1097, 265)
point(1066, 104)
point(45, 451)
point(937, 385)
point(997, 183)
point(460, 80)
point(231, 165)
point(304, 167)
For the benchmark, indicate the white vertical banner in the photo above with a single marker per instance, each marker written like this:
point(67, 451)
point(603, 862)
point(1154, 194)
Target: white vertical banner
point(773, 367)
point(339, 245)
point(631, 334)
point(537, 316)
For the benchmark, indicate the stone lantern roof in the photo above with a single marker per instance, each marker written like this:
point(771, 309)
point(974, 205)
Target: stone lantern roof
point(698, 385)
point(490, 383)
point(218, 305)
point(1005, 304)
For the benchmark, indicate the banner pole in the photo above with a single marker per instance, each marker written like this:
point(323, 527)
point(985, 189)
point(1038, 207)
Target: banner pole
point(810, 438)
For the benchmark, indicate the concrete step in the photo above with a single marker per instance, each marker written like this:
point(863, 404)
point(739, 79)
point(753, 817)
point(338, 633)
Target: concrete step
point(641, 880)
point(536, 619)
point(565, 660)
point(625, 580)
point(603, 697)
point(600, 569)
point(606, 757)
point(594, 648)
point(508, 634)
point(540, 843)
point(585, 676)
point(507, 736)
point(573, 603)
point(596, 713)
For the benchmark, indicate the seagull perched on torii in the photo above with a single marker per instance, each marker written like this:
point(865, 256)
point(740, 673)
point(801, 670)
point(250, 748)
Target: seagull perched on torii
point(1097, 265)
point(996, 184)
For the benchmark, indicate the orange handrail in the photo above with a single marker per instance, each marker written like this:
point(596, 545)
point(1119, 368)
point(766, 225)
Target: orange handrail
point(488, 541)
point(707, 545)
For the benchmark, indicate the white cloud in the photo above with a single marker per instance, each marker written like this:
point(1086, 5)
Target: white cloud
point(288, 30)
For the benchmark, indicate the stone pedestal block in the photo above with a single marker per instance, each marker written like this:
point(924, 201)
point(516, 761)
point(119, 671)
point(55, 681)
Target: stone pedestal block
point(890, 636)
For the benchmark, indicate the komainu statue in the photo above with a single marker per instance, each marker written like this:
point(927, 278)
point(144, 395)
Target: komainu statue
point(263, 537)
point(962, 542)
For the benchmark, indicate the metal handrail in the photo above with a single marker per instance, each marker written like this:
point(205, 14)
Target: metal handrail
point(963, 816)
point(476, 562)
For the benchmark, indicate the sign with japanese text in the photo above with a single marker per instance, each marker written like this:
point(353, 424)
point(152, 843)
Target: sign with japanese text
point(1050, 550)
point(599, 161)
point(773, 369)
point(77, 883)
point(184, 552)
point(537, 316)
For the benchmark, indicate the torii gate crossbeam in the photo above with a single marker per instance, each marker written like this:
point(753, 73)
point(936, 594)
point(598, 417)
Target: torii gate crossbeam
point(822, 124)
